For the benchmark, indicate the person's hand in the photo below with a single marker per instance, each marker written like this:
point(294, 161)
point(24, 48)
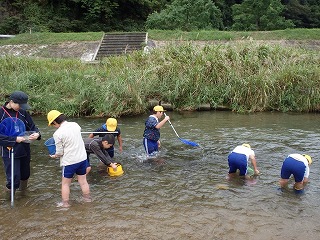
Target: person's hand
point(114, 166)
point(20, 139)
point(54, 156)
point(34, 136)
point(256, 172)
point(167, 117)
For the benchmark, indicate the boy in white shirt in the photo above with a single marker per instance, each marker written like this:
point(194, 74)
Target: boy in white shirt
point(238, 159)
point(72, 153)
point(298, 166)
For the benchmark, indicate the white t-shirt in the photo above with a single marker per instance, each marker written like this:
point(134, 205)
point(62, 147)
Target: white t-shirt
point(244, 150)
point(69, 143)
point(301, 158)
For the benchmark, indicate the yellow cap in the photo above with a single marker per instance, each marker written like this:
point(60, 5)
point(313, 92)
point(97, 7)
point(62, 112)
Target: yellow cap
point(116, 173)
point(246, 145)
point(158, 109)
point(111, 124)
point(309, 159)
point(52, 115)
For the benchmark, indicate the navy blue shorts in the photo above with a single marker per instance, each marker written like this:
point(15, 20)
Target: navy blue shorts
point(110, 151)
point(77, 168)
point(150, 146)
point(238, 161)
point(293, 166)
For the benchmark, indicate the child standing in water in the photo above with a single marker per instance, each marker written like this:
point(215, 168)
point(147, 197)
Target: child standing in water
point(72, 153)
point(151, 135)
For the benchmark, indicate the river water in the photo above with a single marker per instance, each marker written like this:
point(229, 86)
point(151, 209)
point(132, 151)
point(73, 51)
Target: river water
point(183, 193)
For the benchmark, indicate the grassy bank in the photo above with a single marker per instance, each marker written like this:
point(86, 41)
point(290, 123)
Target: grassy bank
point(244, 77)
point(287, 34)
point(160, 35)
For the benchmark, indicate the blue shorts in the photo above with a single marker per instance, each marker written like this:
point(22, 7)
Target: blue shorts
point(150, 146)
point(77, 168)
point(238, 161)
point(293, 166)
point(110, 151)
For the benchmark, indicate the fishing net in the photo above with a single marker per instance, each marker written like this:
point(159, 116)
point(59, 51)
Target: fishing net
point(12, 127)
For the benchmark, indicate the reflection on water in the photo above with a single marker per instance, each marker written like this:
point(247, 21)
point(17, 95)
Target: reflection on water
point(181, 194)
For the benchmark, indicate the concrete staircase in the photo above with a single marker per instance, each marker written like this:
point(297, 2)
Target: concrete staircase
point(120, 43)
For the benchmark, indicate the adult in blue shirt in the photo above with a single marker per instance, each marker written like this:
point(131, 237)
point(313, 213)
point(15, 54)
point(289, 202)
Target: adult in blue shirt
point(16, 108)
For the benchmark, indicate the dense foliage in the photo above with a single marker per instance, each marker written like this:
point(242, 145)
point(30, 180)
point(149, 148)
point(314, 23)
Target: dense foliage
point(21, 16)
point(187, 15)
point(259, 15)
point(245, 76)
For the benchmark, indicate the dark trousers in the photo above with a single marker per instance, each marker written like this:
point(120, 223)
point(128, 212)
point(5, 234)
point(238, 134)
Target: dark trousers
point(21, 170)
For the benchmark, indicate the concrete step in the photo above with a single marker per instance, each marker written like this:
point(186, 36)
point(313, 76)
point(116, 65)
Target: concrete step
point(121, 43)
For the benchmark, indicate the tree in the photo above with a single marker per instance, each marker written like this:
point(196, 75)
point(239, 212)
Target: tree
point(304, 14)
point(226, 10)
point(17, 16)
point(259, 15)
point(187, 15)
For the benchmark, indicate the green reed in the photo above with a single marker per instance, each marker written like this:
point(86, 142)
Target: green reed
point(242, 77)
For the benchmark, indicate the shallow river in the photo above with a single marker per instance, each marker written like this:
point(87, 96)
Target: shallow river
point(183, 193)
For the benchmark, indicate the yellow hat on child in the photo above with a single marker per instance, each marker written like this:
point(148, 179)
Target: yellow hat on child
point(52, 115)
point(158, 109)
point(111, 124)
point(246, 145)
point(309, 159)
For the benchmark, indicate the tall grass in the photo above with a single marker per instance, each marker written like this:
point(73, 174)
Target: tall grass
point(244, 77)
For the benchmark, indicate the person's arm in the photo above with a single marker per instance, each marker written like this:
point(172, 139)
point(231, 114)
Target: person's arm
point(254, 164)
point(96, 149)
point(91, 135)
point(8, 141)
point(161, 123)
point(120, 142)
point(59, 147)
point(306, 175)
point(32, 127)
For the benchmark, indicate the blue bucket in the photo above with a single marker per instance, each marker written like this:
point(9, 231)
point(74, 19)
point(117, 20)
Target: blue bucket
point(51, 146)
